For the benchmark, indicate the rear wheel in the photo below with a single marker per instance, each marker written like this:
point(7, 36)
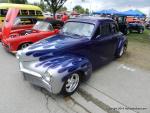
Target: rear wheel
point(122, 51)
point(140, 31)
point(130, 31)
point(71, 84)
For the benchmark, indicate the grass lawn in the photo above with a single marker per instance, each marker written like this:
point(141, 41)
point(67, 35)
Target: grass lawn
point(142, 38)
point(138, 52)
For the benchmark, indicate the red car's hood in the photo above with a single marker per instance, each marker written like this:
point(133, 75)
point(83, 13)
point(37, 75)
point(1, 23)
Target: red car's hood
point(8, 23)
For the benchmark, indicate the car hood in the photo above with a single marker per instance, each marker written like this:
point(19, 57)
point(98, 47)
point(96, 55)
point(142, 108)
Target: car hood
point(51, 47)
point(8, 23)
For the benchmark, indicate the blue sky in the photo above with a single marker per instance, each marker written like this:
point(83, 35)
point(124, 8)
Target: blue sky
point(120, 5)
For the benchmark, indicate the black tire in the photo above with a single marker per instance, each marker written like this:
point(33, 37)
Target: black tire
point(141, 31)
point(130, 31)
point(24, 45)
point(65, 89)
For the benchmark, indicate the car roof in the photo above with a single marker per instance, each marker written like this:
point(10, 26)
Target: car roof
point(91, 19)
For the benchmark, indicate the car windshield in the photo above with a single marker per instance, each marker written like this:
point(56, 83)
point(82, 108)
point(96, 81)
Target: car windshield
point(17, 21)
point(78, 28)
point(43, 26)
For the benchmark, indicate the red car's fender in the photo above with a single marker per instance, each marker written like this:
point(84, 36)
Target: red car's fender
point(15, 43)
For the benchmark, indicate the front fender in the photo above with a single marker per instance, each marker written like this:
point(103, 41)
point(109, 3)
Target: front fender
point(66, 65)
point(61, 67)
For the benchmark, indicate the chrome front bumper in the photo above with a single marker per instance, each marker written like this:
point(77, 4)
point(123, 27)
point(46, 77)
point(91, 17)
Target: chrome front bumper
point(35, 78)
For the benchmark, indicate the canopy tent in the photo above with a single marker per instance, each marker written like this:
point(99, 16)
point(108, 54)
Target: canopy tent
point(136, 13)
point(106, 12)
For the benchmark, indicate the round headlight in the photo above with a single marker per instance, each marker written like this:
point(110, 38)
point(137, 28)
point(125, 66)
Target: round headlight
point(47, 76)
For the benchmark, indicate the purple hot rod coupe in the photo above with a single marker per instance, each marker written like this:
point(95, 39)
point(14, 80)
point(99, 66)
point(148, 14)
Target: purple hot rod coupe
point(61, 62)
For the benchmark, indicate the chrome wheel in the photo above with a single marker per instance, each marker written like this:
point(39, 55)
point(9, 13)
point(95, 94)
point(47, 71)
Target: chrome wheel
point(121, 51)
point(72, 83)
point(141, 31)
point(25, 45)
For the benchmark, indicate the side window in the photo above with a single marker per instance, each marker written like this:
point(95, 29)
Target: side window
point(39, 13)
point(34, 21)
point(3, 12)
point(31, 12)
point(19, 14)
point(105, 29)
point(51, 27)
point(113, 28)
point(24, 12)
point(26, 21)
point(97, 33)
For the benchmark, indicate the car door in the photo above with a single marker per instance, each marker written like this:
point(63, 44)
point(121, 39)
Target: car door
point(104, 43)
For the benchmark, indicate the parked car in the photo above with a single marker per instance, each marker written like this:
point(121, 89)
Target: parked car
point(19, 39)
point(122, 23)
point(135, 26)
point(61, 62)
point(24, 10)
point(22, 23)
point(147, 24)
point(48, 15)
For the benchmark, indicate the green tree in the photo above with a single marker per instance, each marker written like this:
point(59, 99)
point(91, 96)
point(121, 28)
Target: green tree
point(42, 5)
point(63, 9)
point(18, 1)
point(55, 5)
point(79, 9)
point(87, 11)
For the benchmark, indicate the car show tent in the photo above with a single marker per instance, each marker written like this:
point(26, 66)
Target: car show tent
point(135, 13)
point(106, 12)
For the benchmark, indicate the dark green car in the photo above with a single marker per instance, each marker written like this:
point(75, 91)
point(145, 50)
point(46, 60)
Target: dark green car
point(136, 27)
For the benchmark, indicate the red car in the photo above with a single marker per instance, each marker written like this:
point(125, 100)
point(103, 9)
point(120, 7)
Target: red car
point(22, 23)
point(19, 39)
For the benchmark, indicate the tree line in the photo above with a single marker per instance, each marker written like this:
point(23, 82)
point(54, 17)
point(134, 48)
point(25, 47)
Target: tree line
point(51, 5)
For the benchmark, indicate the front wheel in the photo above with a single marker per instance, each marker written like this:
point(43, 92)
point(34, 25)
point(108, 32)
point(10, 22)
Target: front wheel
point(122, 51)
point(71, 84)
